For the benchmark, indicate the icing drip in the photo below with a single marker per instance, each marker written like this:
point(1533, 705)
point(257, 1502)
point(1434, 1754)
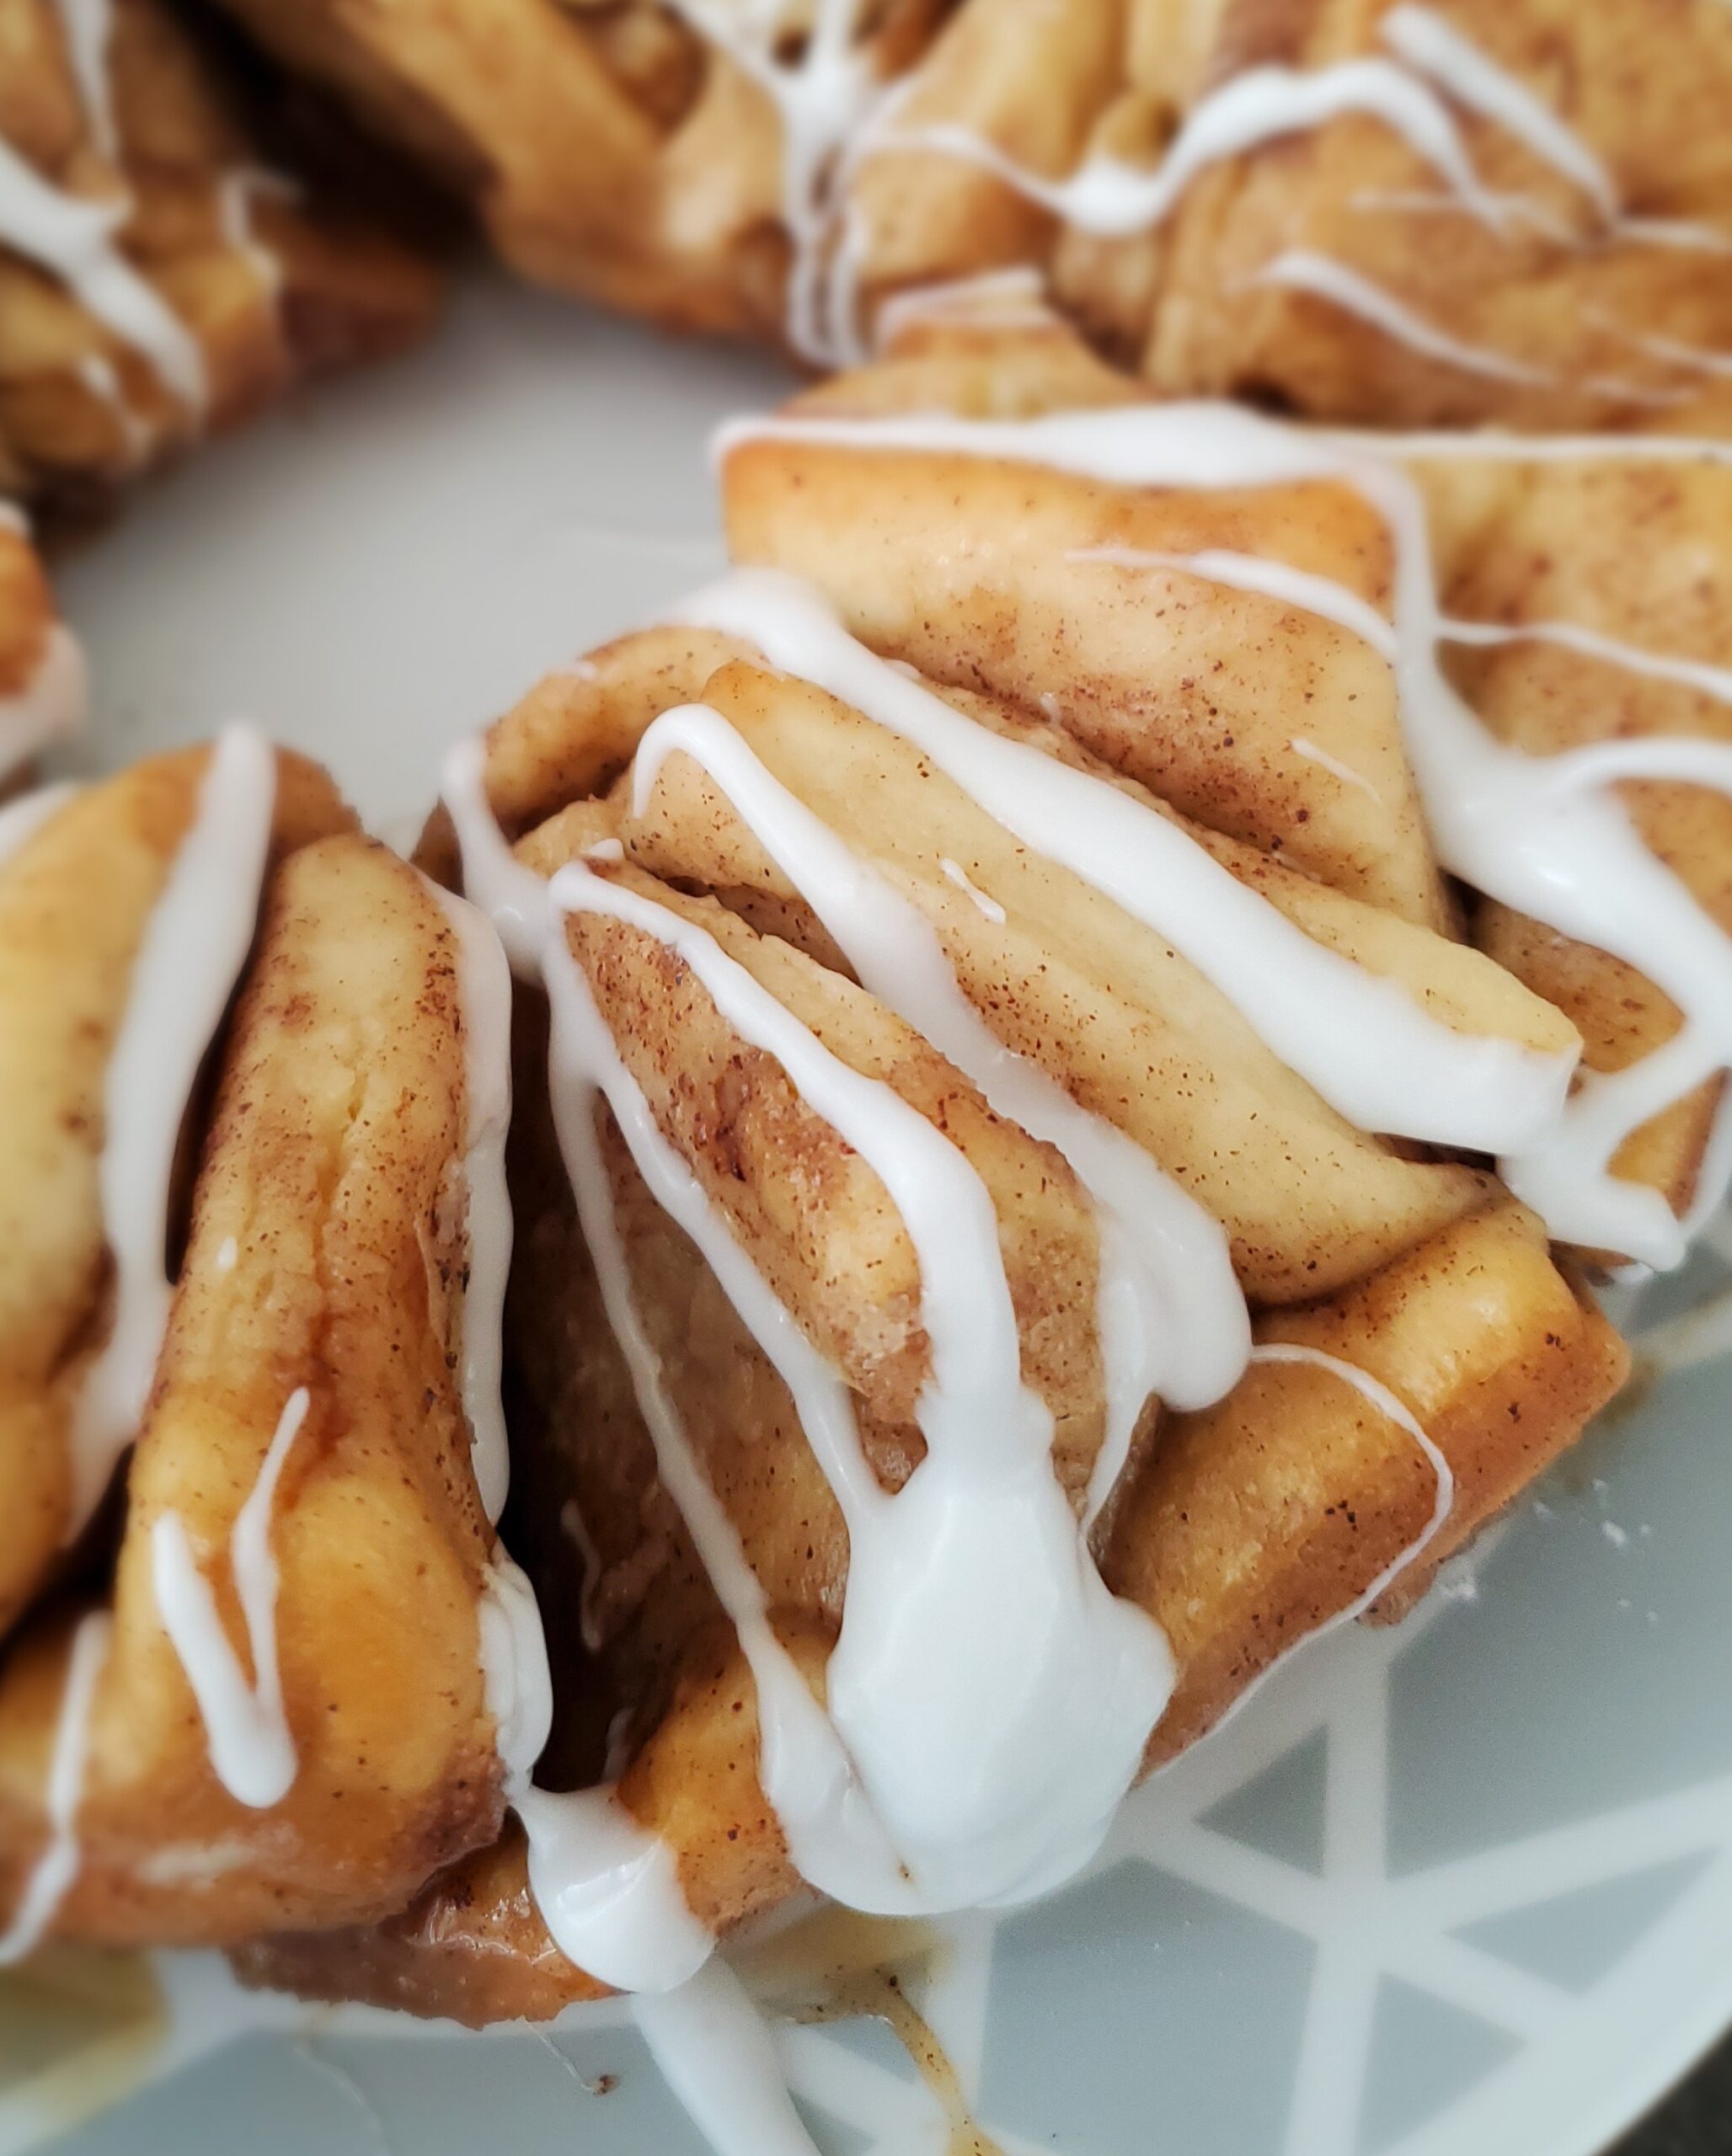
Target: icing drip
point(193, 951)
point(514, 1666)
point(1362, 1042)
point(987, 1699)
point(608, 1892)
point(1302, 587)
point(235, 191)
point(100, 376)
point(1546, 837)
point(1013, 298)
point(1387, 1403)
point(1300, 270)
point(989, 909)
point(1706, 680)
point(718, 2057)
point(1333, 765)
point(252, 1748)
point(513, 898)
point(825, 99)
point(1172, 1319)
point(86, 25)
point(484, 994)
point(1432, 46)
point(1112, 199)
point(56, 1870)
point(50, 705)
point(21, 819)
point(74, 240)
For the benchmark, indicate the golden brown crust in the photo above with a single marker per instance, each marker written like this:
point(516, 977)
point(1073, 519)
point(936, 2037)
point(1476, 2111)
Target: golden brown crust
point(1265, 1516)
point(74, 902)
point(335, 1146)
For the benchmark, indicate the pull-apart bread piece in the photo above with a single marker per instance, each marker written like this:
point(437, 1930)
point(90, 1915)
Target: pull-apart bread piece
point(159, 277)
point(1036, 1188)
point(250, 1571)
point(1385, 209)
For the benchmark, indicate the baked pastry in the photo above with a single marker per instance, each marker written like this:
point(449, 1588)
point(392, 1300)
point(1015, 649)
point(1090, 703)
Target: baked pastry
point(1400, 212)
point(1396, 211)
point(157, 280)
point(1037, 1185)
point(250, 1576)
point(955, 941)
point(41, 669)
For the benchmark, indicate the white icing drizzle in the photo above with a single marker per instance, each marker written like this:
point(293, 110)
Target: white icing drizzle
point(1172, 1319)
point(519, 1685)
point(485, 997)
point(1333, 765)
point(1528, 830)
point(191, 956)
point(1302, 587)
point(512, 897)
point(56, 1870)
point(50, 705)
point(21, 819)
point(86, 25)
point(1011, 298)
point(825, 99)
point(101, 377)
point(987, 1699)
point(608, 1892)
point(1109, 197)
point(1362, 1042)
point(1695, 358)
point(717, 2055)
point(251, 1746)
point(1432, 46)
point(235, 193)
point(73, 240)
point(1302, 270)
point(989, 907)
point(1699, 674)
point(1387, 1403)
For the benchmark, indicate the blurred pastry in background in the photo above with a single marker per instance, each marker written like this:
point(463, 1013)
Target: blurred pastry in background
point(160, 276)
point(1399, 213)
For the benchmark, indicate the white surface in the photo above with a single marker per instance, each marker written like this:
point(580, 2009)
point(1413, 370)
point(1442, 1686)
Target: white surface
point(389, 564)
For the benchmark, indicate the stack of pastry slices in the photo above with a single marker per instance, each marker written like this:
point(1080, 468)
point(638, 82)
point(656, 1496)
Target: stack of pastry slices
point(944, 1155)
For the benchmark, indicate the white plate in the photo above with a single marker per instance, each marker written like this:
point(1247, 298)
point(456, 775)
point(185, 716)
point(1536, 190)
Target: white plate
point(1462, 1887)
